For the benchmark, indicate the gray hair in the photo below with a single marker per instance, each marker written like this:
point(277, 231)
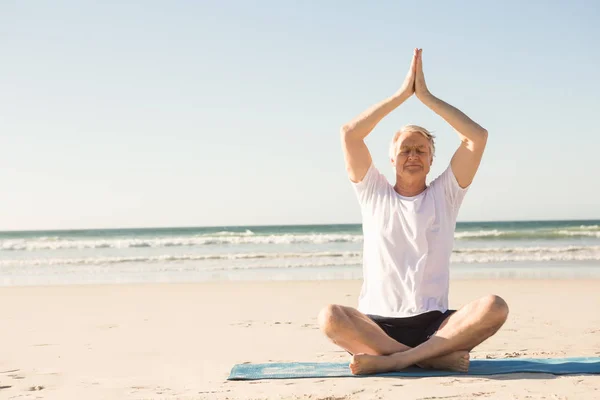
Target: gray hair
point(412, 128)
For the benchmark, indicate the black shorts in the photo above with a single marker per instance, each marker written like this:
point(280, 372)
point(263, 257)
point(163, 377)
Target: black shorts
point(412, 331)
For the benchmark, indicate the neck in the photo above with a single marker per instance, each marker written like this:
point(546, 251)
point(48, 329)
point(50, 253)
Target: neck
point(409, 187)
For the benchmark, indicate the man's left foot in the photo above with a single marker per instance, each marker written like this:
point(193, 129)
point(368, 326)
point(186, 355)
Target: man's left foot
point(363, 364)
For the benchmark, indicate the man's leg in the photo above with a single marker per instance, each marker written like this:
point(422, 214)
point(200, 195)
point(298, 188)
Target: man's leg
point(358, 334)
point(462, 331)
point(355, 332)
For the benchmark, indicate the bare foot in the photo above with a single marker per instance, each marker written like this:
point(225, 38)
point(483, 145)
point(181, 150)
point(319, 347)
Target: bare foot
point(363, 364)
point(457, 361)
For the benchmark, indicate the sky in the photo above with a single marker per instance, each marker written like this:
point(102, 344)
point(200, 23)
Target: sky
point(222, 113)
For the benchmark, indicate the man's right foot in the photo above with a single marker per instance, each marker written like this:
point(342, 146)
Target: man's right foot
point(457, 361)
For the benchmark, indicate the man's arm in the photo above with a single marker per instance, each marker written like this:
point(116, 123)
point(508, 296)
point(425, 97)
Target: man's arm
point(356, 154)
point(473, 137)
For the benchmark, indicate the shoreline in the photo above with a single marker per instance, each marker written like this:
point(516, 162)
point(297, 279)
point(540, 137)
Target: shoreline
point(572, 270)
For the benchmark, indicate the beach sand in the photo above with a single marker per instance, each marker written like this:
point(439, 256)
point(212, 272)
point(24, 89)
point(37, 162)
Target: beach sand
point(180, 341)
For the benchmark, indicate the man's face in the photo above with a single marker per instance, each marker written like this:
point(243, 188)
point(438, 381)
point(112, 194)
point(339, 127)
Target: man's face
point(413, 155)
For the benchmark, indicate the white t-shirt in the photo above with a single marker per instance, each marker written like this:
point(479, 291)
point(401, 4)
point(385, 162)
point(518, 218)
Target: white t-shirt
point(407, 245)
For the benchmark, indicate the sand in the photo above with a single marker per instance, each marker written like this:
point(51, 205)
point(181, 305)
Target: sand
point(179, 341)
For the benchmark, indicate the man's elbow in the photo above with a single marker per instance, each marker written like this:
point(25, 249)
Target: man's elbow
point(478, 141)
point(484, 134)
point(347, 132)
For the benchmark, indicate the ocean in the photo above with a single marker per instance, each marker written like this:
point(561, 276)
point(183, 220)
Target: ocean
point(532, 249)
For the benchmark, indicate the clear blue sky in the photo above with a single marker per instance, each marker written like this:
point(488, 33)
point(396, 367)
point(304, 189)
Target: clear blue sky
point(195, 113)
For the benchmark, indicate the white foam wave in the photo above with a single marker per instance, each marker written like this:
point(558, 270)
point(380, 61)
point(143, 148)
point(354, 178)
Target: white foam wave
point(176, 258)
point(533, 254)
point(528, 234)
point(37, 244)
point(315, 259)
point(248, 232)
point(579, 233)
point(586, 227)
point(480, 234)
point(527, 250)
point(250, 238)
point(287, 265)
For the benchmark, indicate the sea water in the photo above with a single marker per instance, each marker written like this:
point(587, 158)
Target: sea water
point(542, 249)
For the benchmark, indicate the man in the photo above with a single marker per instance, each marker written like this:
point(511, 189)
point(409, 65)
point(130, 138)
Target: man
point(403, 317)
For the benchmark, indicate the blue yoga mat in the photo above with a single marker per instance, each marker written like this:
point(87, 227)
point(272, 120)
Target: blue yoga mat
point(555, 366)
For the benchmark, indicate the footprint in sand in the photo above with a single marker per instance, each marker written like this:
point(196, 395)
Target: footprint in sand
point(514, 354)
point(107, 326)
point(215, 391)
point(450, 382)
point(155, 390)
point(244, 324)
point(546, 353)
point(161, 390)
point(13, 376)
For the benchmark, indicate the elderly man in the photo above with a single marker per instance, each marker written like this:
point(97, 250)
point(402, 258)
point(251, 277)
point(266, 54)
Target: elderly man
point(403, 317)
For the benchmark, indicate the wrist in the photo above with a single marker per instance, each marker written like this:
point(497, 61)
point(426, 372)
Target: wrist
point(402, 95)
point(426, 98)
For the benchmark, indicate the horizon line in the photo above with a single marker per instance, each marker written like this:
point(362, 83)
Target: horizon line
point(268, 225)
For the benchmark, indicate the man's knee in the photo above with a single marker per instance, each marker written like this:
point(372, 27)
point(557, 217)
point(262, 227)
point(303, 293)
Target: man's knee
point(332, 318)
point(495, 309)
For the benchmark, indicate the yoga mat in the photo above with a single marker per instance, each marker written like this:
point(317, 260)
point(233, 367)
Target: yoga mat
point(555, 366)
